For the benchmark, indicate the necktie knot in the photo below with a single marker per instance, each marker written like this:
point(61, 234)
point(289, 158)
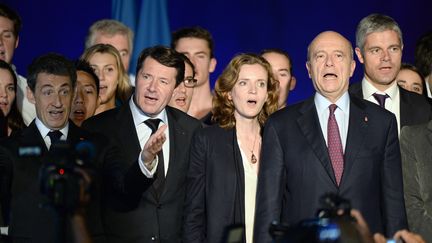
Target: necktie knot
point(54, 136)
point(381, 99)
point(153, 124)
point(332, 109)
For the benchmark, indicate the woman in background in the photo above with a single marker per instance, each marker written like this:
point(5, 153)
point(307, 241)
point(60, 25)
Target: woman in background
point(12, 118)
point(224, 158)
point(114, 88)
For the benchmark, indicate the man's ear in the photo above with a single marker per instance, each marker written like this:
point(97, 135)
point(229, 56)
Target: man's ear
point(212, 65)
point(30, 95)
point(359, 55)
point(16, 42)
point(292, 83)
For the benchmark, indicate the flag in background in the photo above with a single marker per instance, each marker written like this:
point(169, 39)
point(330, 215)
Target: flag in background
point(148, 19)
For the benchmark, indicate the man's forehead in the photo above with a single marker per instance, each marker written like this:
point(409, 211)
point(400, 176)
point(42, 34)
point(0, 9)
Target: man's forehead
point(52, 79)
point(192, 44)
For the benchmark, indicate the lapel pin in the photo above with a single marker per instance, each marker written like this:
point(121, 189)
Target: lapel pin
point(366, 119)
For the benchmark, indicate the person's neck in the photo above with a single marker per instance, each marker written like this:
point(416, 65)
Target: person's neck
point(380, 87)
point(247, 127)
point(106, 106)
point(201, 103)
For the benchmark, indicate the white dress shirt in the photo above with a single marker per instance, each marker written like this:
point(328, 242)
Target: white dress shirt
point(26, 108)
point(341, 113)
point(392, 103)
point(144, 132)
point(45, 130)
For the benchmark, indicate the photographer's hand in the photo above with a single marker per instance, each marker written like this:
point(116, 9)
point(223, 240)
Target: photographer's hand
point(408, 237)
point(153, 146)
point(84, 195)
point(405, 235)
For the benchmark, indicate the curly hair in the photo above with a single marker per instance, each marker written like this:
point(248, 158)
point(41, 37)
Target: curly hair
point(124, 89)
point(223, 107)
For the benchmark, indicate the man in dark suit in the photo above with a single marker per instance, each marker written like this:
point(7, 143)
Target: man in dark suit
point(379, 48)
point(31, 215)
point(332, 142)
point(416, 150)
point(163, 154)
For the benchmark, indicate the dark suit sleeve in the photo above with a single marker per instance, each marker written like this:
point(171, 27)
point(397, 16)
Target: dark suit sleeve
point(5, 184)
point(420, 220)
point(391, 184)
point(271, 181)
point(194, 227)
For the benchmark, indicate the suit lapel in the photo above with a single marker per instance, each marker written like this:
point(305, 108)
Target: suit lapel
point(32, 137)
point(176, 140)
point(311, 129)
point(405, 108)
point(127, 133)
point(357, 129)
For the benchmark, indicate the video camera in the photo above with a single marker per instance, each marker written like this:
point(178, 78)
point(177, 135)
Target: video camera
point(62, 178)
point(332, 222)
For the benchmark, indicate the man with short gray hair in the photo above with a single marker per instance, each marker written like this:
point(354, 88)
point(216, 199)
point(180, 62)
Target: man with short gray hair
point(379, 48)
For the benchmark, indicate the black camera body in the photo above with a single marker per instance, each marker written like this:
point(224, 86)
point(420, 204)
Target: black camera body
point(326, 227)
point(60, 179)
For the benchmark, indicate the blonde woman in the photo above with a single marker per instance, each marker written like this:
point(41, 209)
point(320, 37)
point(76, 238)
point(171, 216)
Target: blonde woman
point(114, 88)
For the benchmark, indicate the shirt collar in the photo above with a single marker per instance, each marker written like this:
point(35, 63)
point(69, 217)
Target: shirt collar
point(139, 116)
point(323, 103)
point(45, 130)
point(369, 89)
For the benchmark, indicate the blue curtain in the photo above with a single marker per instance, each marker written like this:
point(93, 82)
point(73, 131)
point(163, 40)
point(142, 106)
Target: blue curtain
point(149, 21)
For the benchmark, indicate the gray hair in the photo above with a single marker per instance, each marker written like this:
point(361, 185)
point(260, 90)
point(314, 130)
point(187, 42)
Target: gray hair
point(108, 27)
point(375, 23)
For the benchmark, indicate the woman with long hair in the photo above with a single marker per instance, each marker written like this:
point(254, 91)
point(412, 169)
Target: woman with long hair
point(114, 88)
point(224, 158)
point(13, 120)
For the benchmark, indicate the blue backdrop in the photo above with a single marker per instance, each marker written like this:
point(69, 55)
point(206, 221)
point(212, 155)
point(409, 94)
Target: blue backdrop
point(237, 26)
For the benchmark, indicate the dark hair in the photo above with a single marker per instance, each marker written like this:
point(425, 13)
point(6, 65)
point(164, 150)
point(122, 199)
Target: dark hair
point(165, 56)
point(281, 52)
point(223, 107)
point(413, 68)
point(193, 32)
point(9, 13)
point(14, 118)
point(188, 61)
point(83, 65)
point(51, 63)
point(423, 54)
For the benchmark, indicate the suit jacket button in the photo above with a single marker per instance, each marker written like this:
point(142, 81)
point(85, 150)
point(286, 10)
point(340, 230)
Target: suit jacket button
point(159, 206)
point(154, 238)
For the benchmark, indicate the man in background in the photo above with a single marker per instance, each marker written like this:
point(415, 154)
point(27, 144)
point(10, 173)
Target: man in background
point(10, 26)
point(197, 44)
point(281, 64)
point(379, 48)
point(113, 32)
point(423, 59)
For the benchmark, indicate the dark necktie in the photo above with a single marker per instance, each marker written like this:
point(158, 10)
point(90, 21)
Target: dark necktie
point(334, 145)
point(54, 136)
point(381, 99)
point(159, 181)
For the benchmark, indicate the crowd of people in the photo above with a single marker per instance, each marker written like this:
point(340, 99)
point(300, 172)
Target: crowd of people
point(90, 153)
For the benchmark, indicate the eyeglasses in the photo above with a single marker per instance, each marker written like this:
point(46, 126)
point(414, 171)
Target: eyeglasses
point(190, 82)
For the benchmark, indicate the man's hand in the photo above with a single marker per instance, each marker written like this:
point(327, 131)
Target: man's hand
point(153, 146)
